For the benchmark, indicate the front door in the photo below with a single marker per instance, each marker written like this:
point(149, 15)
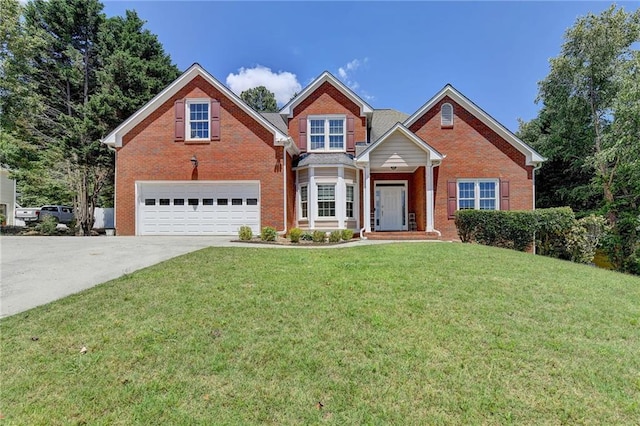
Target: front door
point(391, 208)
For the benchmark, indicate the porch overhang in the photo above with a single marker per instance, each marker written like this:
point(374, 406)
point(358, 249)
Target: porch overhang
point(398, 150)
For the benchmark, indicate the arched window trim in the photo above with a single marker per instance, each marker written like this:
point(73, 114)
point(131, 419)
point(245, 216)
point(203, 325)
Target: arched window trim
point(444, 120)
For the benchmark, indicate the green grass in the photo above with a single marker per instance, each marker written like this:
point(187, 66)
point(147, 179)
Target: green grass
point(390, 334)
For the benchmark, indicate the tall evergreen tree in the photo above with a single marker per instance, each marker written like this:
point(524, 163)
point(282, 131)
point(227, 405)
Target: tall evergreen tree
point(85, 74)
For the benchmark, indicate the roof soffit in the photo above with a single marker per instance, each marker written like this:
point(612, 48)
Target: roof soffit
point(114, 138)
point(326, 77)
point(532, 157)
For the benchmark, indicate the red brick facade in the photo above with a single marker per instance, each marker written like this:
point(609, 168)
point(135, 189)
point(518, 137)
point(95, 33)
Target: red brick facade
point(247, 150)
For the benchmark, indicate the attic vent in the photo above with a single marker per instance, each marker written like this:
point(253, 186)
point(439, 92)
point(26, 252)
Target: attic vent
point(446, 115)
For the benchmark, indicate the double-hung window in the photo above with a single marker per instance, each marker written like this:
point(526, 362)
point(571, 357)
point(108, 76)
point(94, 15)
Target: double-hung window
point(198, 119)
point(326, 133)
point(478, 194)
point(326, 200)
point(350, 199)
point(304, 202)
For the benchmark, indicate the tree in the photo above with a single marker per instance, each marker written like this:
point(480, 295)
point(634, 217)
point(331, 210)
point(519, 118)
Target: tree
point(86, 74)
point(588, 123)
point(260, 99)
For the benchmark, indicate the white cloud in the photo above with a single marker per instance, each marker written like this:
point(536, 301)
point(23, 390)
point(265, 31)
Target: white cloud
point(283, 84)
point(346, 74)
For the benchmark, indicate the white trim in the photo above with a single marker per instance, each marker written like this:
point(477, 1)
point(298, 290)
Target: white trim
point(114, 138)
point(532, 157)
point(476, 191)
point(327, 134)
point(449, 122)
point(405, 186)
point(434, 155)
point(187, 118)
point(299, 201)
point(428, 170)
point(326, 76)
point(335, 216)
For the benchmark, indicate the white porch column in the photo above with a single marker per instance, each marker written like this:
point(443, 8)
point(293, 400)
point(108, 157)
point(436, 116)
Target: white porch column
point(367, 198)
point(312, 199)
point(429, 180)
point(341, 196)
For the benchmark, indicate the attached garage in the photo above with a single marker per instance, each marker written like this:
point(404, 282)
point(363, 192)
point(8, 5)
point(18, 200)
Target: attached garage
point(197, 207)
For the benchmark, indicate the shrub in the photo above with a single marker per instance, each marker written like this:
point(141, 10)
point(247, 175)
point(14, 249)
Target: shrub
point(347, 234)
point(552, 226)
point(307, 236)
point(245, 233)
point(47, 226)
point(295, 234)
point(268, 234)
point(2, 219)
point(508, 229)
point(335, 236)
point(584, 238)
point(319, 236)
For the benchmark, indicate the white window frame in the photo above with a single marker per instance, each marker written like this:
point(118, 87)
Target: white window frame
point(444, 123)
point(476, 192)
point(187, 120)
point(350, 201)
point(327, 134)
point(303, 202)
point(318, 200)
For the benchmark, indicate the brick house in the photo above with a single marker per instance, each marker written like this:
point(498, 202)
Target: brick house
point(197, 160)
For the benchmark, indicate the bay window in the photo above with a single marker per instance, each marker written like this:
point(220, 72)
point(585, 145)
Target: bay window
point(326, 200)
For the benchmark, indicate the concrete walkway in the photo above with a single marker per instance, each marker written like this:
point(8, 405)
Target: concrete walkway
point(38, 270)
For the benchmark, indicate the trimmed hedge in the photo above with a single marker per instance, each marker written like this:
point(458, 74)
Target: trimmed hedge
point(556, 231)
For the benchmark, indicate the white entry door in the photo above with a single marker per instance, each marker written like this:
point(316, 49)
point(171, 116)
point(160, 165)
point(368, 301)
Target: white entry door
point(391, 208)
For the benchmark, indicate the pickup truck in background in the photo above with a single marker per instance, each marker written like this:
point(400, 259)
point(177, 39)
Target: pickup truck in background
point(27, 214)
point(62, 214)
point(30, 215)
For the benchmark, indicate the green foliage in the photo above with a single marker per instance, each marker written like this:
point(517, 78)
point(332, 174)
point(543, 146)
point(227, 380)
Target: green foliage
point(585, 236)
point(622, 245)
point(335, 236)
point(268, 234)
point(319, 236)
point(3, 218)
point(260, 99)
point(295, 234)
point(306, 236)
point(347, 234)
point(47, 226)
point(508, 229)
point(245, 233)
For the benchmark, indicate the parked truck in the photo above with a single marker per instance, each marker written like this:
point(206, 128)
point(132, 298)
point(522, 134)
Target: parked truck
point(31, 215)
point(27, 214)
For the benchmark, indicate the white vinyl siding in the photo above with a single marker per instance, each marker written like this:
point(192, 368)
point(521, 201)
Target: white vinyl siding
point(396, 152)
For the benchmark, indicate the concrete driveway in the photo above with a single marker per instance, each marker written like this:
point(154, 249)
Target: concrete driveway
point(39, 270)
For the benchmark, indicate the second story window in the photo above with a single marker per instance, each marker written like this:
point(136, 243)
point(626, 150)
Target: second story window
point(326, 133)
point(198, 119)
point(446, 115)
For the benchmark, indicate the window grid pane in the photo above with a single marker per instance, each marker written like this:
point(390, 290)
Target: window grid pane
point(349, 201)
point(199, 120)
point(326, 200)
point(466, 195)
point(304, 206)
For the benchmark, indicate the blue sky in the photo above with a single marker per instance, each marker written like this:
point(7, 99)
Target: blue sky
point(393, 54)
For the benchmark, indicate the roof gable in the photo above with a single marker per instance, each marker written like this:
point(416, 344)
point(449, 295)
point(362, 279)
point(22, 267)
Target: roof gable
point(114, 139)
point(532, 157)
point(326, 77)
point(434, 155)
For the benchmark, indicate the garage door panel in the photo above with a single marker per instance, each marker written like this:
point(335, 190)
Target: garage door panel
point(211, 208)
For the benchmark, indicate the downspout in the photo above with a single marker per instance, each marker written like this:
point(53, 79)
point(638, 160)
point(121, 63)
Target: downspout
point(533, 178)
point(433, 201)
point(364, 219)
point(284, 180)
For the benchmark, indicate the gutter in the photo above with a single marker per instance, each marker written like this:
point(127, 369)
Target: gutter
point(287, 144)
point(364, 219)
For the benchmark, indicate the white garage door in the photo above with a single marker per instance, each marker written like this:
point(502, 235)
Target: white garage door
point(197, 208)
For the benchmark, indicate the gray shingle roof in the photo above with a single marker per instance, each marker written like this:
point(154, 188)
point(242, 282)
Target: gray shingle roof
point(384, 119)
point(276, 119)
point(329, 158)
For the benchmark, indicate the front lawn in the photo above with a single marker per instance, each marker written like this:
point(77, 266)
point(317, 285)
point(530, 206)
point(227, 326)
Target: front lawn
point(416, 333)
